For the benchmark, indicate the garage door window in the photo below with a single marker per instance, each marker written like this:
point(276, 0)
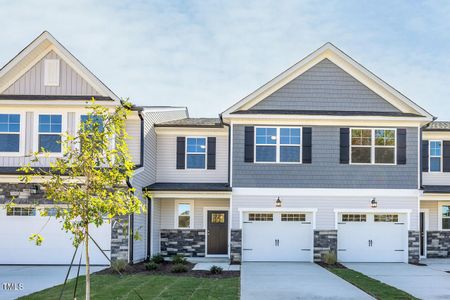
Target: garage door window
point(385, 218)
point(354, 218)
point(21, 211)
point(293, 217)
point(260, 217)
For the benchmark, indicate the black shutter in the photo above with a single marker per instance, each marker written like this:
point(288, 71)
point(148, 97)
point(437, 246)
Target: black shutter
point(424, 156)
point(344, 145)
point(211, 153)
point(181, 151)
point(446, 156)
point(307, 143)
point(401, 146)
point(249, 143)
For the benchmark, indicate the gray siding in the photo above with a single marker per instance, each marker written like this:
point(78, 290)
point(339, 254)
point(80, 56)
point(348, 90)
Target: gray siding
point(325, 87)
point(325, 170)
point(32, 82)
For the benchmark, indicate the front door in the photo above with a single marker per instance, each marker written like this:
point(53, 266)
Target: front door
point(217, 232)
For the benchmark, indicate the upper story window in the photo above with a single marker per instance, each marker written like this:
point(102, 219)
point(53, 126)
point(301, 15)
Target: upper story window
point(50, 129)
point(373, 146)
point(96, 120)
point(196, 153)
point(184, 214)
point(9, 132)
point(435, 156)
point(278, 144)
point(51, 72)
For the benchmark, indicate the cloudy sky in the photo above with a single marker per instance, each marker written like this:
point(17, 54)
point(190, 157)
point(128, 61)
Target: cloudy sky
point(209, 54)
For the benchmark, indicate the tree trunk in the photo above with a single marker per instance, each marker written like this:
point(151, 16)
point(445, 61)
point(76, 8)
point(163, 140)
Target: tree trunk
point(88, 273)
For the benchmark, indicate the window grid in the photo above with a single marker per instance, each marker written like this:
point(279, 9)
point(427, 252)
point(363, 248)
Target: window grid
point(282, 140)
point(354, 218)
point(293, 217)
point(374, 139)
point(435, 156)
point(260, 217)
point(10, 133)
point(386, 218)
point(21, 211)
point(50, 129)
point(196, 148)
point(184, 215)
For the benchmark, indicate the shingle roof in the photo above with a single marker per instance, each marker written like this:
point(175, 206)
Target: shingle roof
point(193, 122)
point(439, 126)
point(436, 189)
point(191, 186)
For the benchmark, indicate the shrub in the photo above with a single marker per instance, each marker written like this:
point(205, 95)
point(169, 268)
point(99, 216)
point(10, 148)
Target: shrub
point(151, 266)
point(157, 259)
point(179, 260)
point(119, 265)
point(215, 270)
point(179, 268)
point(329, 258)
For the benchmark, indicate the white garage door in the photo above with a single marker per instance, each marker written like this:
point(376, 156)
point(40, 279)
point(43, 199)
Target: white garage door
point(372, 237)
point(57, 248)
point(270, 236)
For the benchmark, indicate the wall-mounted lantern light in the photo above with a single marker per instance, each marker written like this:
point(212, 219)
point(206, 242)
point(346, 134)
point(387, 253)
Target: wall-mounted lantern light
point(373, 203)
point(278, 202)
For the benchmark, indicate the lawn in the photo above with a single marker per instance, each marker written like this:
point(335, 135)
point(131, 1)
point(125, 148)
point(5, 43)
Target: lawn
point(148, 287)
point(369, 285)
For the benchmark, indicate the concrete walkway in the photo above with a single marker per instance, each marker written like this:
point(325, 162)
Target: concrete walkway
point(17, 281)
point(424, 282)
point(275, 280)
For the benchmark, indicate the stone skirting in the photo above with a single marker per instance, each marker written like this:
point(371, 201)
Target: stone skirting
point(186, 242)
point(119, 238)
point(236, 246)
point(438, 244)
point(413, 246)
point(23, 193)
point(324, 242)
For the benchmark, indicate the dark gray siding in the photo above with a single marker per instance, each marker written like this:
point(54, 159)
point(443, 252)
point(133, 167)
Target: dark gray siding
point(325, 87)
point(325, 171)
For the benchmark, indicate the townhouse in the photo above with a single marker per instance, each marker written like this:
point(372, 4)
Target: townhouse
point(324, 157)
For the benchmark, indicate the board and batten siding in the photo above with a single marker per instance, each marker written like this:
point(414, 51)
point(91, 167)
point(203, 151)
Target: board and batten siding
point(433, 212)
point(325, 170)
point(325, 216)
point(166, 163)
point(168, 211)
point(32, 82)
point(435, 178)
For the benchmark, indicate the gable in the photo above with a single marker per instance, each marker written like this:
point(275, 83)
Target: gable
point(32, 82)
point(325, 87)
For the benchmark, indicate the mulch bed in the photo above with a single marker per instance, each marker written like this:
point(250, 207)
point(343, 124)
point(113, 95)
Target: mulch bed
point(165, 269)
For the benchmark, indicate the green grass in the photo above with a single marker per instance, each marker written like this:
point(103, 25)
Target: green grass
point(148, 287)
point(371, 286)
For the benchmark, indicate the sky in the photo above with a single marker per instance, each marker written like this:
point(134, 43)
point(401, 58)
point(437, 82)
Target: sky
point(207, 55)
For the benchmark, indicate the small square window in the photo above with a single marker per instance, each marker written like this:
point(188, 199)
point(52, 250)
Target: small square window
point(293, 217)
point(217, 218)
point(21, 211)
point(354, 218)
point(260, 217)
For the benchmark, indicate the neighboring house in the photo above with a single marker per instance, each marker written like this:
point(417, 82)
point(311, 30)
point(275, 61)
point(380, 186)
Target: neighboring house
point(44, 92)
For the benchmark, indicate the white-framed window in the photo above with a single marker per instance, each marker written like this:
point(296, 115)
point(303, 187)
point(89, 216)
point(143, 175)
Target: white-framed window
point(263, 217)
point(293, 217)
point(354, 217)
point(444, 215)
point(435, 156)
point(50, 127)
point(385, 218)
point(51, 72)
point(20, 211)
point(10, 133)
point(196, 152)
point(373, 146)
point(278, 145)
point(184, 214)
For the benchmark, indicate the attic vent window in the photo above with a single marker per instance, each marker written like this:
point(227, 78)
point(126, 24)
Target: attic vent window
point(51, 72)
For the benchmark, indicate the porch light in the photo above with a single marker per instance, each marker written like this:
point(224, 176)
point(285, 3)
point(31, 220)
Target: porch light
point(278, 202)
point(373, 203)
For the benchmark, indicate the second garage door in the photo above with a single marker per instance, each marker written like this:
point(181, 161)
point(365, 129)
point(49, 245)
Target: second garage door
point(277, 236)
point(372, 237)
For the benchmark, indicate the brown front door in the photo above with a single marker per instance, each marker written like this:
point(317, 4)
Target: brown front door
point(217, 232)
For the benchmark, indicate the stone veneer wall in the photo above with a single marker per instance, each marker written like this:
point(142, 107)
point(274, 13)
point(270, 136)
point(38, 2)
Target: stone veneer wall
point(120, 237)
point(438, 244)
point(324, 241)
point(22, 193)
point(236, 246)
point(186, 242)
point(413, 246)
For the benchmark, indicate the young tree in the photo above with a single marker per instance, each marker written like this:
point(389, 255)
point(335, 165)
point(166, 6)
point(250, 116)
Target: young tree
point(88, 183)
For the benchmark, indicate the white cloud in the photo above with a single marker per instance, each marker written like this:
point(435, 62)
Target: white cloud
point(208, 55)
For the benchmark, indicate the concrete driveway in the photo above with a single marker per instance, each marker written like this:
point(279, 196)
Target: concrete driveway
point(424, 282)
point(16, 281)
point(274, 280)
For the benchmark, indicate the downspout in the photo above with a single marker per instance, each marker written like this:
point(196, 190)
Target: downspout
point(131, 234)
point(420, 154)
point(149, 224)
point(229, 148)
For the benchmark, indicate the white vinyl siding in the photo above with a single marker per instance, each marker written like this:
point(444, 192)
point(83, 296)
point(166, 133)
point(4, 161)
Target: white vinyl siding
point(51, 72)
point(167, 156)
point(435, 178)
point(133, 127)
point(432, 207)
